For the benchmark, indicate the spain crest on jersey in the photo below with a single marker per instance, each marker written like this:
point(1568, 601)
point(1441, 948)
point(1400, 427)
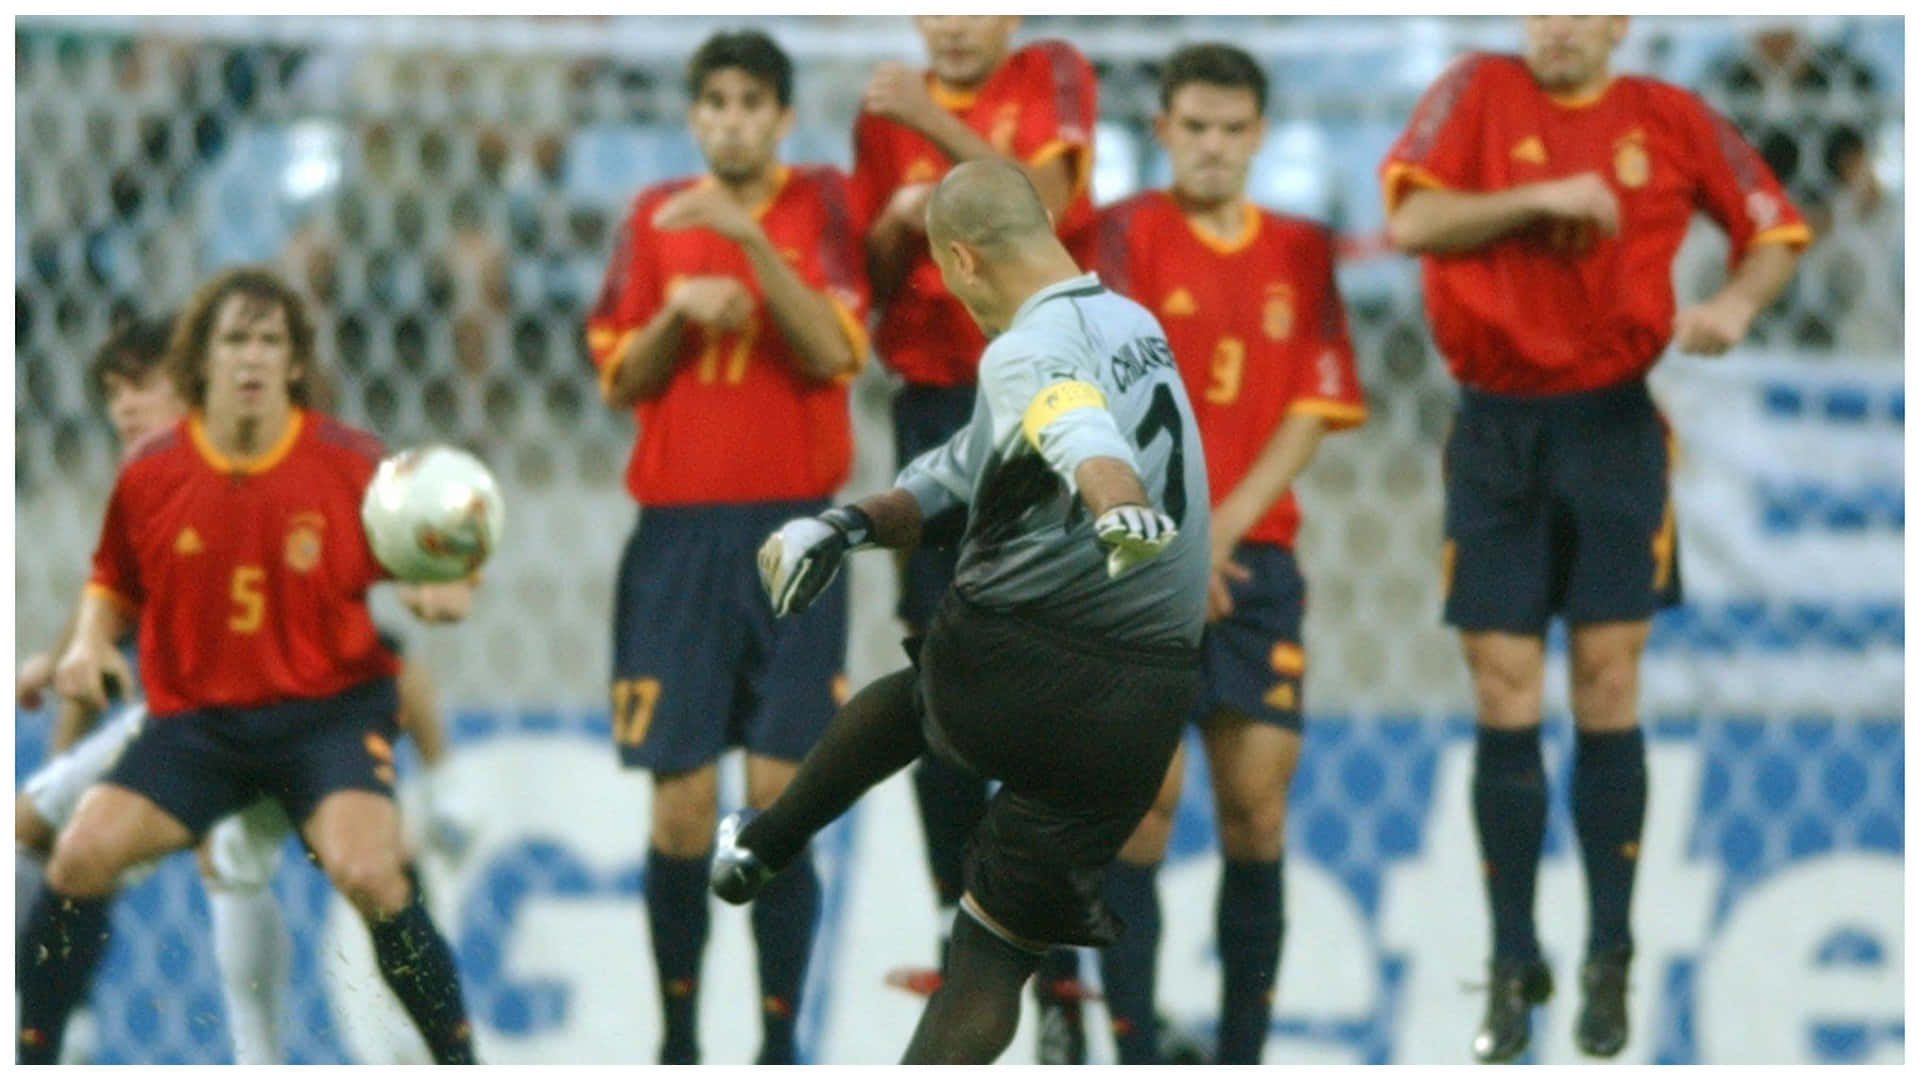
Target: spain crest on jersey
point(1631, 166)
point(303, 541)
point(1276, 315)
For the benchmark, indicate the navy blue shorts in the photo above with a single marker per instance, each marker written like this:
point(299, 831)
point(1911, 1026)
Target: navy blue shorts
point(1252, 659)
point(1558, 505)
point(925, 417)
point(699, 662)
point(202, 765)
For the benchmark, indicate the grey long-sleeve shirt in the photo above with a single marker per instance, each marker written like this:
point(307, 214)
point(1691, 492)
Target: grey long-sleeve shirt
point(1081, 372)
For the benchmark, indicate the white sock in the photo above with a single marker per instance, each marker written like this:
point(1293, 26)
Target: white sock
point(29, 870)
point(254, 952)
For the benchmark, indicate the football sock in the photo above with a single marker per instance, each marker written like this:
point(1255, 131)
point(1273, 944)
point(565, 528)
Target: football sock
point(952, 801)
point(29, 870)
point(417, 964)
point(1059, 965)
point(254, 953)
point(1510, 816)
point(1128, 967)
point(57, 952)
point(1249, 923)
point(783, 923)
point(677, 918)
point(1609, 806)
point(874, 735)
point(970, 1020)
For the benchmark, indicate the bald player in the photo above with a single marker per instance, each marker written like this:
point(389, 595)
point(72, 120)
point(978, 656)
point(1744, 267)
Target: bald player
point(1064, 658)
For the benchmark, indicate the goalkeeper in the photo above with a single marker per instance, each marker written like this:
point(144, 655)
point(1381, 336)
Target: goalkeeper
point(1063, 662)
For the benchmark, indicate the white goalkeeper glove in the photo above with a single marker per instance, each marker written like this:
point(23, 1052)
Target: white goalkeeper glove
point(1132, 535)
point(799, 560)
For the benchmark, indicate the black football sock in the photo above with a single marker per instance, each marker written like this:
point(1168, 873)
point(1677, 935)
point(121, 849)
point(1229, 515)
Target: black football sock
point(874, 735)
point(1609, 807)
point(1250, 920)
point(972, 1017)
point(677, 918)
point(1510, 816)
point(1129, 967)
point(29, 871)
point(57, 951)
point(417, 964)
point(952, 801)
point(784, 916)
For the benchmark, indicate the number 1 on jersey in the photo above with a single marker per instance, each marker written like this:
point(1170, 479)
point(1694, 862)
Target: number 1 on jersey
point(1164, 415)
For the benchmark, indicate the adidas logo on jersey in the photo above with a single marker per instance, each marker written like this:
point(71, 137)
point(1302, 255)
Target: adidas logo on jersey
point(1178, 302)
point(188, 542)
point(1530, 149)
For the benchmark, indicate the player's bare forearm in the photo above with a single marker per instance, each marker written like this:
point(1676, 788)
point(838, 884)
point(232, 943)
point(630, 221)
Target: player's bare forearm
point(895, 516)
point(1106, 482)
point(1053, 179)
point(891, 246)
point(71, 722)
point(1281, 461)
point(1437, 221)
point(1759, 276)
point(99, 618)
point(420, 712)
point(804, 315)
point(647, 361)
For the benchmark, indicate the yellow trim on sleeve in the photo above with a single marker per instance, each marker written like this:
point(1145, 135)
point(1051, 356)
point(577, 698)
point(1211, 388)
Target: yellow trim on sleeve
point(1339, 414)
point(1080, 170)
point(1402, 171)
point(612, 366)
point(1055, 400)
point(119, 599)
point(1792, 233)
point(856, 335)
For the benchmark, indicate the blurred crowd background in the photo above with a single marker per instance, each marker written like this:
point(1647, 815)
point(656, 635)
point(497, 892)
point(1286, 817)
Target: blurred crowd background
point(445, 190)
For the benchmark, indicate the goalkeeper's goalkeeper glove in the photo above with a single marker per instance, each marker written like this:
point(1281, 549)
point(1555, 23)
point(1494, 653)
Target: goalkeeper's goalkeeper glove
point(1132, 535)
point(799, 560)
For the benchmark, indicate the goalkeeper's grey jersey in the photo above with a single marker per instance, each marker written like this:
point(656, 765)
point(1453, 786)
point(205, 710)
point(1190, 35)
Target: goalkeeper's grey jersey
point(1081, 372)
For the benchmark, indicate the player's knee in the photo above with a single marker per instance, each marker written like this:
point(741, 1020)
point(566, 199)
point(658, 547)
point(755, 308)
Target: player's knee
point(683, 822)
point(1252, 824)
point(30, 830)
point(1508, 693)
point(1605, 692)
point(80, 867)
point(373, 883)
point(1148, 844)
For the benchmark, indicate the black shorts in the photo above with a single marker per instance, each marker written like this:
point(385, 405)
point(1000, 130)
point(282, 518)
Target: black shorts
point(1558, 505)
point(1079, 732)
point(202, 765)
point(699, 661)
point(1252, 658)
point(925, 417)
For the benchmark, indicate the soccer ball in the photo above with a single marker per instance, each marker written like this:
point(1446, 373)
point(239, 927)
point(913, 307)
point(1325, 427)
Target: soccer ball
point(432, 513)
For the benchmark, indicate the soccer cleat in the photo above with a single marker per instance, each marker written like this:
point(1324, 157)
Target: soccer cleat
point(1511, 995)
point(1063, 1035)
point(1601, 1028)
point(1179, 1045)
point(914, 980)
point(738, 875)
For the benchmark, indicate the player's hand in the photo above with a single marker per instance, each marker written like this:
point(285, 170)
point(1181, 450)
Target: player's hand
point(1713, 327)
point(799, 560)
point(36, 674)
point(1582, 197)
point(1132, 535)
point(898, 92)
point(720, 304)
point(909, 206)
point(90, 671)
point(707, 208)
point(1219, 592)
point(437, 603)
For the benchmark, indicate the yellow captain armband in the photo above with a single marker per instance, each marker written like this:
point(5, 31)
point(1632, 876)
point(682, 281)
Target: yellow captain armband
point(1056, 399)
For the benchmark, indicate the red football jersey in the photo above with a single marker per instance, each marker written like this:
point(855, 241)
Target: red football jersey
point(1036, 106)
point(1256, 326)
point(737, 422)
point(1555, 307)
point(250, 579)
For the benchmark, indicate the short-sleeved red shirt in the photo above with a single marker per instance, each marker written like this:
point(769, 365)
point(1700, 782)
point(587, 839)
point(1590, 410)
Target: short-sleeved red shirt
point(250, 579)
point(1555, 307)
point(738, 421)
point(1257, 329)
point(1039, 104)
